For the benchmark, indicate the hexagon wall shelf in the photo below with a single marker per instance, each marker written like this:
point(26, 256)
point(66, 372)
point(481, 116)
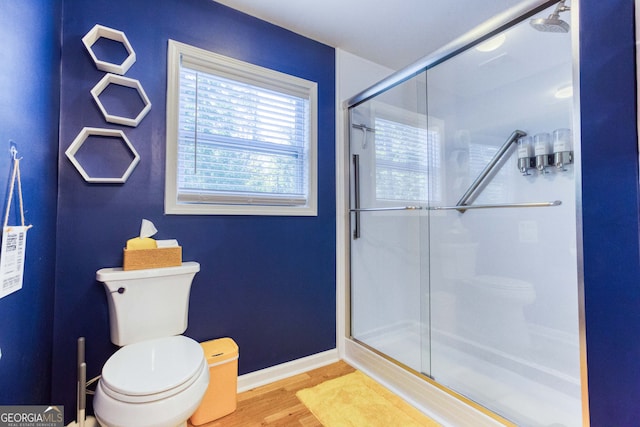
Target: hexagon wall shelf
point(99, 31)
point(82, 137)
point(122, 81)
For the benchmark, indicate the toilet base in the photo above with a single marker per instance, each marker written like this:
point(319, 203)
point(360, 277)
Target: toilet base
point(88, 422)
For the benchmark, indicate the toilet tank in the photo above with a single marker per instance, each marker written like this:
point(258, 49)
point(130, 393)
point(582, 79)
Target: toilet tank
point(149, 303)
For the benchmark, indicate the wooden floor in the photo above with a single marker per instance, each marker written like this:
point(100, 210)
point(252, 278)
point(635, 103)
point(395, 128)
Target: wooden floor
point(276, 404)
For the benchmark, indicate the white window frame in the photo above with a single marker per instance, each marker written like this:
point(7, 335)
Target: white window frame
point(216, 64)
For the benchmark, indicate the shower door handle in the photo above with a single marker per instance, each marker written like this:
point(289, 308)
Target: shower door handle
point(356, 195)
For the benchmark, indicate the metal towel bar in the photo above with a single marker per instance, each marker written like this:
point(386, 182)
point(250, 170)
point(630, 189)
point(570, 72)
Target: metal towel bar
point(395, 208)
point(462, 208)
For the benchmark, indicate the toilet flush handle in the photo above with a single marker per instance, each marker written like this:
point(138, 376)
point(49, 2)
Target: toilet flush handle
point(120, 290)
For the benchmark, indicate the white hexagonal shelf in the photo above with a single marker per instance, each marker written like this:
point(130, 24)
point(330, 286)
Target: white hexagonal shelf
point(99, 31)
point(82, 137)
point(122, 81)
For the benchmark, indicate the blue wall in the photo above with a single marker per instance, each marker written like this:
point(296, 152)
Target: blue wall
point(267, 282)
point(610, 211)
point(29, 76)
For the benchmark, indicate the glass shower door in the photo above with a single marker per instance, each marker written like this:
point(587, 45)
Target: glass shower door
point(389, 156)
point(504, 302)
point(484, 300)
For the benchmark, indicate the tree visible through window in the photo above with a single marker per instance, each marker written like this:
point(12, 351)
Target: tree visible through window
point(245, 137)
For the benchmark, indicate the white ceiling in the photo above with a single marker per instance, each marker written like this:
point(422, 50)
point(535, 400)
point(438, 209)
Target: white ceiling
point(392, 33)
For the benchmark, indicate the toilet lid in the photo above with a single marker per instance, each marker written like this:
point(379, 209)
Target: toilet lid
point(146, 369)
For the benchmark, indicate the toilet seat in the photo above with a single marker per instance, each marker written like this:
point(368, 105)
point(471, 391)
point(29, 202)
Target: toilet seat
point(152, 370)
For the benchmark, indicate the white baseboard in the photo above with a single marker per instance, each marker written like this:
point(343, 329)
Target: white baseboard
point(429, 399)
point(286, 370)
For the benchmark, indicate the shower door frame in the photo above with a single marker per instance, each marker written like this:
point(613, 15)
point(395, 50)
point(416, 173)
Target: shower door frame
point(414, 386)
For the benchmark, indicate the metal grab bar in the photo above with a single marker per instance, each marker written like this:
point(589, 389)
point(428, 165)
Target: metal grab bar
point(487, 170)
point(395, 208)
point(463, 208)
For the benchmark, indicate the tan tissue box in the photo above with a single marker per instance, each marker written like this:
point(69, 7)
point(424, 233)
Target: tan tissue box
point(138, 259)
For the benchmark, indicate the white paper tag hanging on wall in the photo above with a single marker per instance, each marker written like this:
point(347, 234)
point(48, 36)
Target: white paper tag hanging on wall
point(14, 242)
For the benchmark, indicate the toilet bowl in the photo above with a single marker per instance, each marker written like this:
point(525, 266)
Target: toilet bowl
point(495, 308)
point(158, 377)
point(154, 383)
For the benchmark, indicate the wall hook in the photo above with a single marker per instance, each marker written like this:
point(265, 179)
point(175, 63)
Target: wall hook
point(14, 153)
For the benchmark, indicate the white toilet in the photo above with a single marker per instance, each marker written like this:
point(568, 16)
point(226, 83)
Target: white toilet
point(486, 308)
point(158, 377)
point(506, 328)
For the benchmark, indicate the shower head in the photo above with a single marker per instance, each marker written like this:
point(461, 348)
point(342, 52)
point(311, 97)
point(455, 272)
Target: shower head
point(552, 24)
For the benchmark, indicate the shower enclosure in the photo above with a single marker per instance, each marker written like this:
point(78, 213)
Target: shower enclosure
point(463, 220)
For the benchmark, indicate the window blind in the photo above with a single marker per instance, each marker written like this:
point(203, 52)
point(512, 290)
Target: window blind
point(241, 143)
point(403, 156)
